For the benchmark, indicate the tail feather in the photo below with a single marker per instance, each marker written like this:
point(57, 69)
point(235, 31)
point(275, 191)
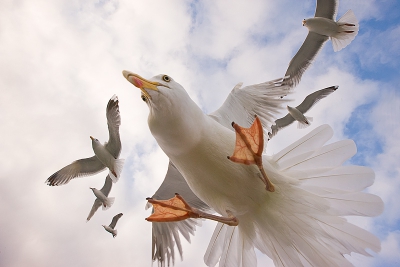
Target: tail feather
point(347, 178)
point(108, 203)
point(214, 249)
point(315, 139)
point(231, 247)
point(348, 30)
point(116, 172)
point(300, 224)
point(325, 158)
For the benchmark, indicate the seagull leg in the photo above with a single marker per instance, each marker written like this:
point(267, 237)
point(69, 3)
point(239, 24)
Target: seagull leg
point(177, 209)
point(249, 147)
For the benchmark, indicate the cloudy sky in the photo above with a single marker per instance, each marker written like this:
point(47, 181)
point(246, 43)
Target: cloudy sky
point(61, 61)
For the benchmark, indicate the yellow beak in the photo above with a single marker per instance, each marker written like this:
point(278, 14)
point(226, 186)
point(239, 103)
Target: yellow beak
point(140, 82)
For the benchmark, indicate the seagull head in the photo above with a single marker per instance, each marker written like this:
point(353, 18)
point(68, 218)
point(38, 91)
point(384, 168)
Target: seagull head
point(172, 111)
point(95, 141)
point(304, 22)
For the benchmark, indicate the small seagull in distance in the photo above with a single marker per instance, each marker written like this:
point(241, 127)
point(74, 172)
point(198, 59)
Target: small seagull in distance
point(111, 227)
point(102, 198)
point(297, 113)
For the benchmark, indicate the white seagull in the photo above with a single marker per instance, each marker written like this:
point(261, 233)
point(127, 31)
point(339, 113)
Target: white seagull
point(111, 228)
point(102, 198)
point(301, 222)
point(321, 28)
point(297, 113)
point(106, 156)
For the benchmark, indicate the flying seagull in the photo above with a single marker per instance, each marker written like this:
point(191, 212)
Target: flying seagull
point(321, 28)
point(111, 228)
point(301, 220)
point(102, 198)
point(106, 156)
point(165, 235)
point(296, 113)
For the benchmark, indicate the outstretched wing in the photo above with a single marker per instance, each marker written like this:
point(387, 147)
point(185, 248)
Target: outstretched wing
point(96, 205)
point(279, 124)
point(166, 234)
point(115, 220)
point(326, 9)
point(107, 186)
point(113, 121)
point(307, 103)
point(303, 58)
point(242, 104)
point(78, 168)
point(313, 98)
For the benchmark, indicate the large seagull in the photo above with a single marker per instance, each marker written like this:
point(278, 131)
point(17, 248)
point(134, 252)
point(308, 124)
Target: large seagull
point(298, 219)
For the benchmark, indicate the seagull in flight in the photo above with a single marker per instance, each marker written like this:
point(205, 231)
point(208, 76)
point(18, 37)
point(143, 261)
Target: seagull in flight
point(321, 28)
point(297, 113)
point(106, 156)
point(111, 228)
point(298, 218)
point(102, 198)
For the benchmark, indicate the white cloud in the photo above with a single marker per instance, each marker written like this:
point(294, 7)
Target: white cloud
point(61, 61)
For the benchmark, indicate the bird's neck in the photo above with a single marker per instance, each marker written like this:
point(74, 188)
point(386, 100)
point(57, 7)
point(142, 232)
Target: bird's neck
point(179, 129)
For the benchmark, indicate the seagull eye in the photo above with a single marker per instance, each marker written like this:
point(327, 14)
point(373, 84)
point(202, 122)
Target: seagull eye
point(144, 98)
point(166, 78)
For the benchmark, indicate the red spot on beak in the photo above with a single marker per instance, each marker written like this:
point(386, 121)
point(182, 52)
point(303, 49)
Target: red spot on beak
point(137, 82)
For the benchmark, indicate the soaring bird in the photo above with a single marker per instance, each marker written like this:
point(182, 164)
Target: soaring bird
point(301, 221)
point(111, 228)
point(297, 113)
point(102, 198)
point(106, 156)
point(165, 235)
point(321, 28)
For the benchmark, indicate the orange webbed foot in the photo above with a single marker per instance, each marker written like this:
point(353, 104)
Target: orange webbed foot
point(249, 147)
point(177, 209)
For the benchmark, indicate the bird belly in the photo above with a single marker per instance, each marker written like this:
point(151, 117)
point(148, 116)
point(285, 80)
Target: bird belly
point(322, 26)
point(219, 182)
point(99, 195)
point(297, 115)
point(104, 157)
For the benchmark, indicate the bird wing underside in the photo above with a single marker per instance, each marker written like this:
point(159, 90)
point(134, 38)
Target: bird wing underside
point(113, 121)
point(303, 58)
point(167, 234)
point(107, 186)
point(115, 220)
point(78, 168)
point(96, 205)
point(313, 98)
point(243, 104)
point(326, 9)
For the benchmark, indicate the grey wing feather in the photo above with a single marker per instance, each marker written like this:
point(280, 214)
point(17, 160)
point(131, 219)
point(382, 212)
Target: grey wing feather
point(113, 121)
point(107, 186)
point(280, 123)
point(303, 58)
point(165, 235)
point(96, 205)
point(242, 104)
point(78, 168)
point(313, 98)
point(115, 220)
point(326, 9)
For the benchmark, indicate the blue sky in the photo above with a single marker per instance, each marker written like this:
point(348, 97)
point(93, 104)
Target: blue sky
point(61, 62)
